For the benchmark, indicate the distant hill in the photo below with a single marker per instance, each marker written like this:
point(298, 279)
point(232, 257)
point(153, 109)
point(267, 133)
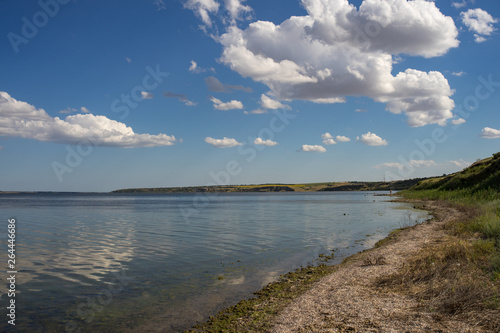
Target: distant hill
point(481, 175)
point(311, 187)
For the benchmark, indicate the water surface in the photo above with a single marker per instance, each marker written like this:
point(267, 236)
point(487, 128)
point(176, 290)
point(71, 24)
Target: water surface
point(103, 262)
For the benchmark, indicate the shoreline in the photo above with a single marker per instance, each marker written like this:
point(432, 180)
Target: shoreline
point(347, 296)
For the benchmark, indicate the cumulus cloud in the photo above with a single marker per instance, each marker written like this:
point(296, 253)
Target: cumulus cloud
point(372, 139)
point(480, 22)
point(222, 143)
point(269, 103)
point(20, 119)
point(213, 84)
point(313, 148)
point(231, 105)
point(181, 97)
point(268, 143)
point(341, 138)
point(461, 73)
point(147, 95)
point(458, 121)
point(328, 139)
point(326, 136)
point(490, 133)
point(337, 50)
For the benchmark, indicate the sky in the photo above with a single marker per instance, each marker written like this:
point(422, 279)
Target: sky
point(103, 95)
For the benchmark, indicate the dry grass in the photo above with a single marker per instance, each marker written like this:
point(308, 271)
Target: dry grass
point(450, 278)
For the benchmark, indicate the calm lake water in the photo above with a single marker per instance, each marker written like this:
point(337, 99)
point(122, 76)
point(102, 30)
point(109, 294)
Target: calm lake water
point(117, 262)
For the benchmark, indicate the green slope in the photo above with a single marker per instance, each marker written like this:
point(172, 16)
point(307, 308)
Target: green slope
point(483, 175)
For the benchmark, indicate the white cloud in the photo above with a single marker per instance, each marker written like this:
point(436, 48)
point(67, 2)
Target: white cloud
point(190, 103)
point(490, 133)
point(341, 138)
point(326, 136)
point(422, 163)
point(147, 95)
point(461, 73)
point(203, 8)
point(313, 148)
point(231, 105)
point(480, 22)
point(20, 119)
point(73, 110)
point(128, 60)
point(68, 110)
point(329, 142)
point(236, 10)
point(325, 56)
point(372, 139)
point(395, 165)
point(328, 139)
point(268, 143)
point(257, 111)
point(269, 103)
point(194, 67)
point(461, 163)
point(412, 163)
point(458, 121)
point(361, 110)
point(222, 143)
point(459, 4)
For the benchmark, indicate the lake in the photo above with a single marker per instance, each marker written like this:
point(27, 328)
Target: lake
point(117, 262)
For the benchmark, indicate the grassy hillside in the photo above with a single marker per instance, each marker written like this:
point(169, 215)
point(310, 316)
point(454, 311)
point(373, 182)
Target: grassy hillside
point(482, 176)
point(310, 187)
point(465, 265)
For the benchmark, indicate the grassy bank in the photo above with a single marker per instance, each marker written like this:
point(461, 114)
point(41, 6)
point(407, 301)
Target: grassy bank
point(476, 191)
point(460, 276)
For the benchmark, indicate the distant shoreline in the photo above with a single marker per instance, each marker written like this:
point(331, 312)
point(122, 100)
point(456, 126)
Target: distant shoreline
point(309, 187)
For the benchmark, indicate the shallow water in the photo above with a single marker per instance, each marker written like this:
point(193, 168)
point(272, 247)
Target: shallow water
point(103, 262)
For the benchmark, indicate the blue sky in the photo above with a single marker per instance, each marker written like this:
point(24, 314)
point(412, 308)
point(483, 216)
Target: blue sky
point(97, 96)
